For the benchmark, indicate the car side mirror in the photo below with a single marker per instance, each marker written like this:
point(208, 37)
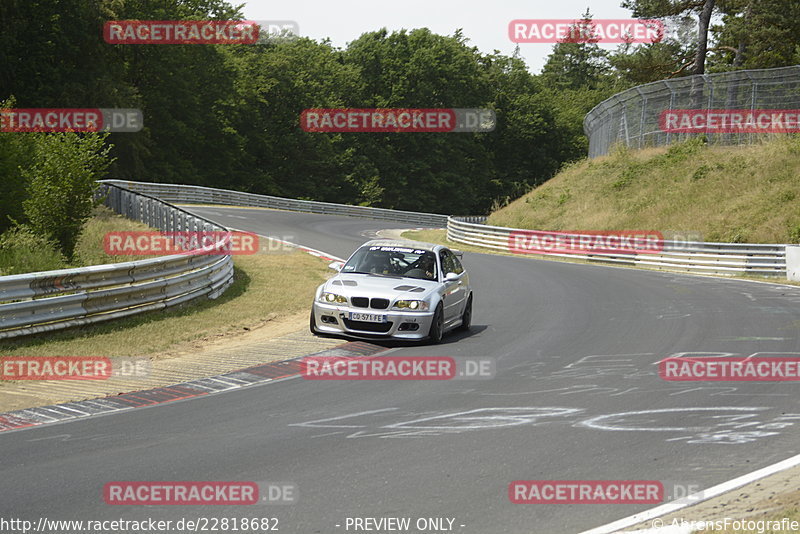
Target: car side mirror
point(451, 277)
point(336, 265)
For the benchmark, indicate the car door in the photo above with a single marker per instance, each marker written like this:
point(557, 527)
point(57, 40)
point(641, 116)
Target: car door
point(455, 290)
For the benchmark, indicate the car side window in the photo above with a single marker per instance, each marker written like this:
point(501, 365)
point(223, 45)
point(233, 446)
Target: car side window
point(457, 268)
point(450, 263)
point(443, 262)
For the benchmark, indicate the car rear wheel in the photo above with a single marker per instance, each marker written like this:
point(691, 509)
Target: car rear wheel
point(466, 317)
point(437, 326)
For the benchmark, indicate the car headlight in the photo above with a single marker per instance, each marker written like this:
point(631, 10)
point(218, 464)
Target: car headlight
point(330, 298)
point(415, 305)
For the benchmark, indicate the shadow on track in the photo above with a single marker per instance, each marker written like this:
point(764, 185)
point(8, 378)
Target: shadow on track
point(452, 336)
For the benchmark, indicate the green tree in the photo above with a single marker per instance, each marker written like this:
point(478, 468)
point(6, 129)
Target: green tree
point(62, 183)
point(276, 81)
point(648, 62)
point(577, 61)
point(419, 69)
point(182, 91)
point(227, 116)
point(15, 150)
point(757, 34)
point(703, 9)
point(52, 54)
point(525, 147)
point(575, 78)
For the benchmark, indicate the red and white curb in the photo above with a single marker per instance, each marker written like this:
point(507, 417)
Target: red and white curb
point(250, 376)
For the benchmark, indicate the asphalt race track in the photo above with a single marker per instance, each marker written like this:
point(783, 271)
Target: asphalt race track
point(576, 397)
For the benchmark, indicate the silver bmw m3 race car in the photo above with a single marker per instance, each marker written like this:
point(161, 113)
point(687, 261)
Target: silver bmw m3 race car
point(395, 289)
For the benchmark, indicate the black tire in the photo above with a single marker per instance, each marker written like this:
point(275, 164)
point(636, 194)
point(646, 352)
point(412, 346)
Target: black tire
point(312, 326)
point(466, 317)
point(437, 326)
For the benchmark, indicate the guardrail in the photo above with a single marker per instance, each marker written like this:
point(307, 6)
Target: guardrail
point(53, 300)
point(682, 256)
point(195, 194)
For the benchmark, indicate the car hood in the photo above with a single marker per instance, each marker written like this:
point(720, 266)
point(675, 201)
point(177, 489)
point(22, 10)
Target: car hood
point(366, 285)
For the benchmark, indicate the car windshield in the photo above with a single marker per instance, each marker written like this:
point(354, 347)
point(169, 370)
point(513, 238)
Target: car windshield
point(393, 261)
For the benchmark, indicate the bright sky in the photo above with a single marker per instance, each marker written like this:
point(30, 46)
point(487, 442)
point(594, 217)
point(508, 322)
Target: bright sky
point(484, 22)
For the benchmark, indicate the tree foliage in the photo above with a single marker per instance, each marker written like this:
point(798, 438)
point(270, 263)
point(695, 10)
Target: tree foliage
point(228, 115)
point(15, 153)
point(757, 34)
point(62, 183)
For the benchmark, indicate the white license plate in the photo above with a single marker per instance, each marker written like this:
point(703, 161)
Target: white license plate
point(367, 317)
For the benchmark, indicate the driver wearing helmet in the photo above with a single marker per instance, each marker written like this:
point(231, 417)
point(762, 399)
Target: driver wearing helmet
point(427, 263)
point(378, 263)
point(424, 267)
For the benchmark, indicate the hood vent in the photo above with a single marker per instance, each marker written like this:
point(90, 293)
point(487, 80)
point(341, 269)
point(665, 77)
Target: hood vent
point(411, 289)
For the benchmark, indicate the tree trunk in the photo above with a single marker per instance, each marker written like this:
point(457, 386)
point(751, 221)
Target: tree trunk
point(696, 92)
point(702, 37)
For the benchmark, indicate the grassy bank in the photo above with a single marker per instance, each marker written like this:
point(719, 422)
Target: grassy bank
point(730, 194)
point(21, 252)
point(265, 286)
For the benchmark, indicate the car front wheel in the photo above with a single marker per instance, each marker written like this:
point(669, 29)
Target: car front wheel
point(312, 326)
point(437, 326)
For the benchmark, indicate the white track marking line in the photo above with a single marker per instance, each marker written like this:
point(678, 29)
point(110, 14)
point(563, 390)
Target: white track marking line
point(693, 499)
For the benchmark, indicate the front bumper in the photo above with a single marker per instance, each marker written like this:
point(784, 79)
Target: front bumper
point(399, 324)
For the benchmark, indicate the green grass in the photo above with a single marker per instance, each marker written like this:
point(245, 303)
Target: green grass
point(729, 194)
point(265, 286)
point(89, 249)
point(22, 252)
